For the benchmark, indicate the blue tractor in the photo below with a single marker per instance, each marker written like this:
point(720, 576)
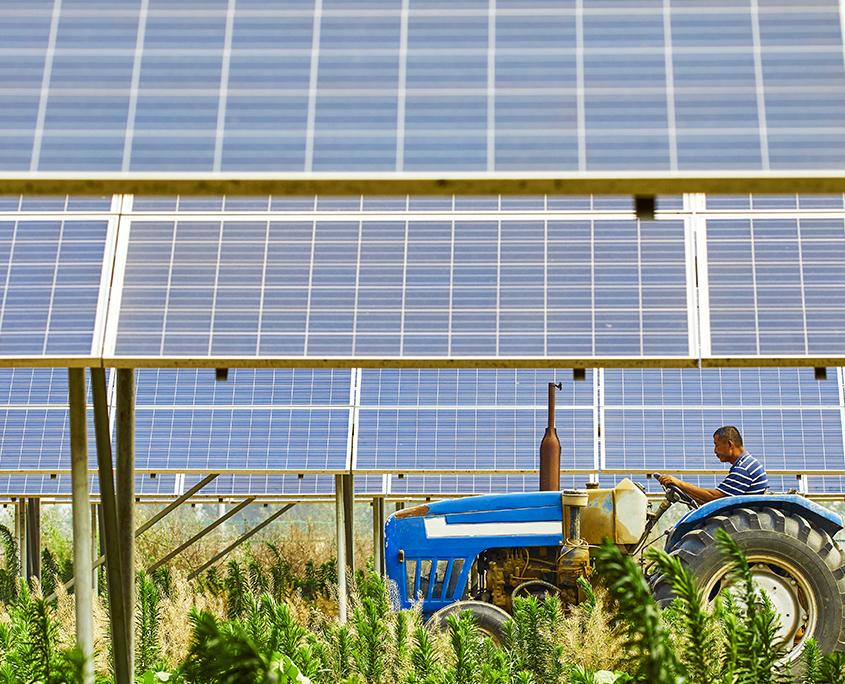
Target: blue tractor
point(480, 552)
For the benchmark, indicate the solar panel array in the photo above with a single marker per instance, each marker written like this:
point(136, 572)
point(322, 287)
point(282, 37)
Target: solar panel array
point(402, 86)
point(403, 289)
point(418, 433)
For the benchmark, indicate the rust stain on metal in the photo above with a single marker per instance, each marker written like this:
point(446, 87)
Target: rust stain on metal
point(414, 512)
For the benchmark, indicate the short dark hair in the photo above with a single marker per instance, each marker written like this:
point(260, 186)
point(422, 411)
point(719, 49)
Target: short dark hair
point(729, 432)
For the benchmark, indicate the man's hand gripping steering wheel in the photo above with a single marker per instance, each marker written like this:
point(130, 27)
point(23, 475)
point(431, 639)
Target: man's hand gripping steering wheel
point(676, 494)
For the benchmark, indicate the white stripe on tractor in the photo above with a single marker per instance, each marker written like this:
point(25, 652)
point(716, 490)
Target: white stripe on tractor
point(438, 527)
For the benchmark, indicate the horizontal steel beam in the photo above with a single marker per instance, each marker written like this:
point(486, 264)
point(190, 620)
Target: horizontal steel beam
point(422, 183)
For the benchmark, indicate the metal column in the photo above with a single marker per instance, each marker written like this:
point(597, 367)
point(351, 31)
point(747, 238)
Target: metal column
point(20, 534)
point(125, 488)
point(341, 547)
point(378, 534)
point(33, 538)
point(121, 623)
point(349, 519)
point(82, 524)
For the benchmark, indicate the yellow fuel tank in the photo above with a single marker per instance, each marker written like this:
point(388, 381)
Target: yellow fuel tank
point(618, 513)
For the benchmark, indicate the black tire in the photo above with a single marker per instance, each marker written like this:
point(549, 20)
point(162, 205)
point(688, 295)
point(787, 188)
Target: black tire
point(488, 617)
point(787, 553)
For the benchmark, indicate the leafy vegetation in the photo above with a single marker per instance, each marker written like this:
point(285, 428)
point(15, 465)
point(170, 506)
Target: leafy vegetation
point(261, 622)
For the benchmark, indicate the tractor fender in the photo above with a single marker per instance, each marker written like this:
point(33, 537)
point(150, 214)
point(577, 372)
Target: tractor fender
point(789, 504)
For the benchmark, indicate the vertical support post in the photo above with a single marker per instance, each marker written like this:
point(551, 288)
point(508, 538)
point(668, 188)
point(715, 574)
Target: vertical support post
point(95, 548)
point(349, 519)
point(20, 534)
point(120, 621)
point(82, 523)
point(33, 538)
point(125, 486)
point(340, 529)
point(378, 534)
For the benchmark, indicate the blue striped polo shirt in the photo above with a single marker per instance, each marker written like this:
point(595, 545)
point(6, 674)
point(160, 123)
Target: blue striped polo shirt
point(746, 476)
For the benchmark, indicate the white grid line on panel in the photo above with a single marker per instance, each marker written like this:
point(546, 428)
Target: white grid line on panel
point(759, 87)
point(593, 285)
point(312, 87)
point(356, 307)
point(354, 417)
point(754, 283)
point(45, 85)
point(598, 422)
point(310, 284)
point(670, 85)
point(580, 95)
point(216, 288)
point(640, 285)
point(498, 284)
point(800, 241)
point(698, 307)
point(402, 85)
point(53, 288)
point(404, 285)
point(8, 273)
point(491, 86)
point(107, 278)
point(842, 27)
point(224, 86)
point(546, 287)
point(136, 84)
point(263, 287)
point(451, 287)
point(169, 284)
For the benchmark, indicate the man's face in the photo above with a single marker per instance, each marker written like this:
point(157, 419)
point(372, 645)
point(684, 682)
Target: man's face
point(722, 449)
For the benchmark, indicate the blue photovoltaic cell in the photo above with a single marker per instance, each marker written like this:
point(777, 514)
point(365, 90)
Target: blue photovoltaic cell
point(477, 87)
point(478, 483)
point(396, 288)
point(776, 286)
point(245, 387)
point(33, 386)
point(468, 439)
point(249, 439)
point(51, 271)
point(663, 420)
point(472, 387)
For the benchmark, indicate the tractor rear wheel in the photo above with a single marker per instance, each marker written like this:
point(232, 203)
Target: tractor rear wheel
point(798, 565)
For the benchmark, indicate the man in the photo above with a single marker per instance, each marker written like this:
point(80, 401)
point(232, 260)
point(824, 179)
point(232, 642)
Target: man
point(746, 475)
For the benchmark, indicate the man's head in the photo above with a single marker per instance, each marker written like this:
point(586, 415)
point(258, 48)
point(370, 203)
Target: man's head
point(727, 444)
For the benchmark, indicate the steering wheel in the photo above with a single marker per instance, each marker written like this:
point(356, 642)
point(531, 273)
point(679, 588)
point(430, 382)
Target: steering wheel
point(674, 494)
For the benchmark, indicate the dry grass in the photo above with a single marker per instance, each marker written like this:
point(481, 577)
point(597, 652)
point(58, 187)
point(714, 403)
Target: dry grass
point(589, 638)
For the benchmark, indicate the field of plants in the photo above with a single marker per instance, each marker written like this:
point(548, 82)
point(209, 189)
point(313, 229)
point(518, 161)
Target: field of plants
point(266, 620)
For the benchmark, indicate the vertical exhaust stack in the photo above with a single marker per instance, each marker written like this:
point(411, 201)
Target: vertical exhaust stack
point(550, 449)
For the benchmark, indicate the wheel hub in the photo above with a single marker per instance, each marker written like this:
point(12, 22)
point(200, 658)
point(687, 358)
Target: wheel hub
point(785, 597)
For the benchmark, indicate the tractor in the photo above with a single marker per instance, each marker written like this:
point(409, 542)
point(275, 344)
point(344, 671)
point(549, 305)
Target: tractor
point(479, 553)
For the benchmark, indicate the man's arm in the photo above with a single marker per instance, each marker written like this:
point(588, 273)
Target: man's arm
point(698, 494)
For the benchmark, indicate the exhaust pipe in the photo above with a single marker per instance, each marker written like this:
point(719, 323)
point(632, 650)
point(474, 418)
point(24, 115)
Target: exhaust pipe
point(550, 449)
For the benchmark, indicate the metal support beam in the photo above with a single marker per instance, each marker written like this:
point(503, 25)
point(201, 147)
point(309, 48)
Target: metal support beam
point(82, 522)
point(340, 534)
point(95, 549)
point(33, 539)
point(121, 623)
point(240, 541)
point(20, 534)
point(200, 535)
point(378, 534)
point(349, 519)
point(173, 506)
point(100, 559)
point(125, 486)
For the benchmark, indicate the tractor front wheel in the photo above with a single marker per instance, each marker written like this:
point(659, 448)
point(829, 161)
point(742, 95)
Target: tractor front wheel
point(798, 566)
point(488, 617)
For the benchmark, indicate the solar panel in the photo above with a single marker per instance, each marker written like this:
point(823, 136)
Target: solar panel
point(403, 292)
point(663, 420)
point(776, 287)
point(480, 94)
point(53, 271)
